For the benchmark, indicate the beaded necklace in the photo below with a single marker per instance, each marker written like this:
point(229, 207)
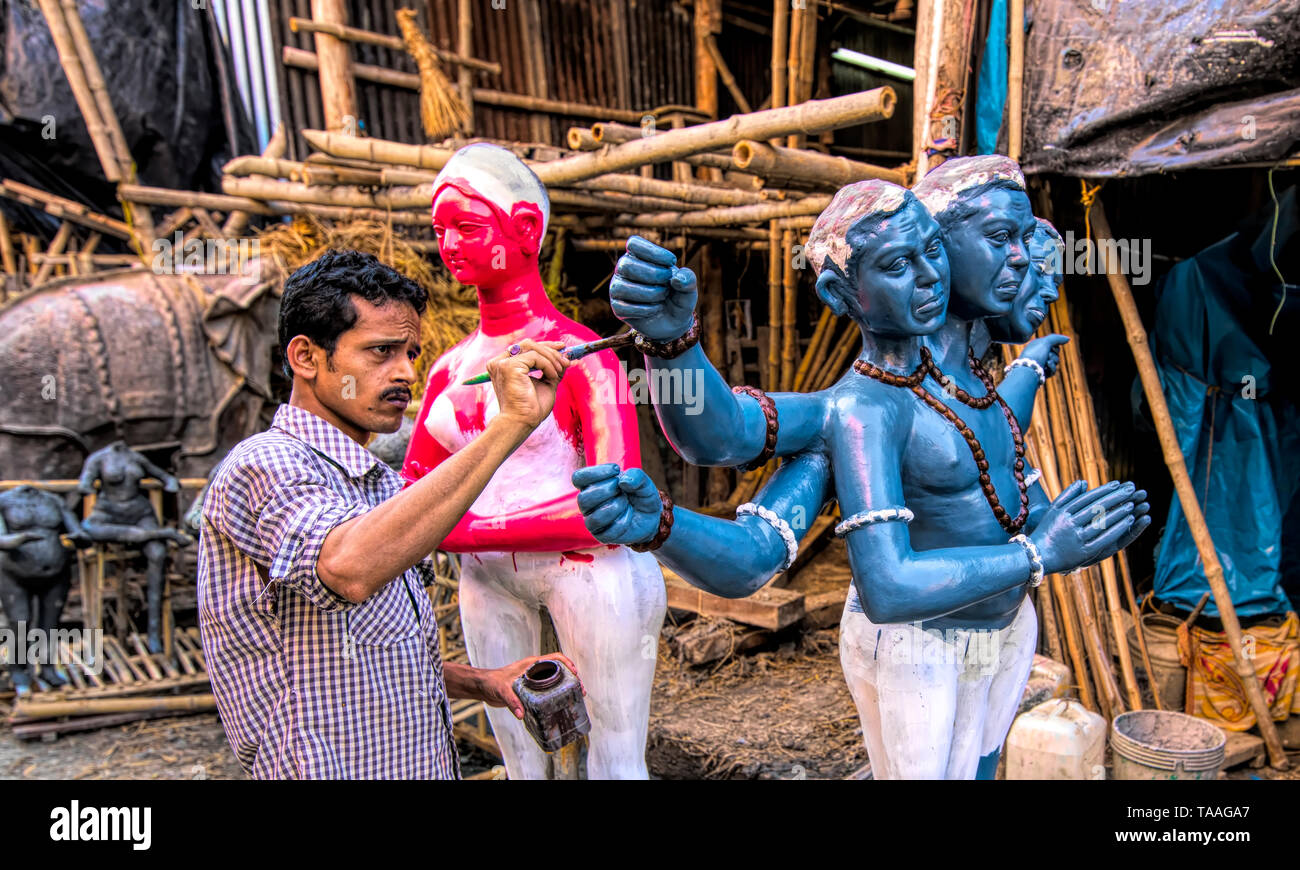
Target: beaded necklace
point(913, 382)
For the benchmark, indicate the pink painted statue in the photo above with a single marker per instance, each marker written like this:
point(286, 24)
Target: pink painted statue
point(524, 544)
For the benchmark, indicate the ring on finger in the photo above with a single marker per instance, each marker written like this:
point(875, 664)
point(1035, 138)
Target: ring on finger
point(514, 349)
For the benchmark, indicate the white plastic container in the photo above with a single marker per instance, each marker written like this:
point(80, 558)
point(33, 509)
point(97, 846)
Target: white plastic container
point(1058, 739)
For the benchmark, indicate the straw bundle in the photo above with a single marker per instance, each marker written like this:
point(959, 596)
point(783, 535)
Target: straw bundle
point(441, 110)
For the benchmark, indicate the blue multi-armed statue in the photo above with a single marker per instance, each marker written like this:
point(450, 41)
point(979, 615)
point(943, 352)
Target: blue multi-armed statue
point(945, 525)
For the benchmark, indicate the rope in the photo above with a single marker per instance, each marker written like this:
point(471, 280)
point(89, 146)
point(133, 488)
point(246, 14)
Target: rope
point(1088, 195)
point(1272, 246)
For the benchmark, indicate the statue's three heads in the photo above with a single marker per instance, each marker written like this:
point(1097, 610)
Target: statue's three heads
point(961, 242)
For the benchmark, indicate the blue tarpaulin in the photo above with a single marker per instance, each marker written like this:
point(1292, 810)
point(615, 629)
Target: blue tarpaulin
point(991, 92)
point(1238, 436)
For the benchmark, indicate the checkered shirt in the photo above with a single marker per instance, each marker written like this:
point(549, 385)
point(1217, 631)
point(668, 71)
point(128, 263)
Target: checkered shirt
point(308, 684)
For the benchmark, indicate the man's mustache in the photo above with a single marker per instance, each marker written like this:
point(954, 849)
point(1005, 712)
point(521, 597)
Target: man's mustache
point(396, 393)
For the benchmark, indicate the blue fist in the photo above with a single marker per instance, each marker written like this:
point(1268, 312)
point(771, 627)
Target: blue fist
point(618, 508)
point(650, 294)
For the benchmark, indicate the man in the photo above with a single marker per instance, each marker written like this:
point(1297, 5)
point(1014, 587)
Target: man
point(320, 640)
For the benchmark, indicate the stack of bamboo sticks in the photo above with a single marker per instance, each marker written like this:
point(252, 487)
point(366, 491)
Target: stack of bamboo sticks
point(598, 181)
point(1081, 612)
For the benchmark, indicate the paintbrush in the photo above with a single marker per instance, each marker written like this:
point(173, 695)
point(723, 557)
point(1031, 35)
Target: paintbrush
point(575, 353)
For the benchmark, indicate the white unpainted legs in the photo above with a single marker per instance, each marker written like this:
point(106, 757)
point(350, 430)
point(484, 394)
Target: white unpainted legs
point(932, 704)
point(607, 614)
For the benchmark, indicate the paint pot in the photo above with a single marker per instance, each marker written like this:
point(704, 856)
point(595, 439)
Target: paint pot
point(1058, 739)
point(1168, 675)
point(1160, 744)
point(554, 712)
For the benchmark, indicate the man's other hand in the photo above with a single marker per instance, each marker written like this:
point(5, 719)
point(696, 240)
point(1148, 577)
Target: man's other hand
point(499, 683)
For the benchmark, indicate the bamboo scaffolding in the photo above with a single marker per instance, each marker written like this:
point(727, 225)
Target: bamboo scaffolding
point(383, 40)
point(775, 256)
point(334, 65)
point(816, 348)
point(812, 117)
point(194, 199)
point(28, 710)
point(302, 59)
point(808, 167)
point(379, 150)
point(1173, 456)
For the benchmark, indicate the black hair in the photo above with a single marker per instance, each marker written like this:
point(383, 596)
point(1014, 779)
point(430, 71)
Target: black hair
point(317, 298)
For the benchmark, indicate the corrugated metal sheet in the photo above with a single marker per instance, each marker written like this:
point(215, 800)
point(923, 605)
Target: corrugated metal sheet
point(245, 29)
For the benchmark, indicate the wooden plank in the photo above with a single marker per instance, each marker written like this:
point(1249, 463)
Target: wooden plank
point(768, 608)
point(1243, 747)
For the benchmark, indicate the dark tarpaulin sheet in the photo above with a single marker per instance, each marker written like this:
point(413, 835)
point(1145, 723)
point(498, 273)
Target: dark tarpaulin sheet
point(156, 58)
point(1231, 393)
point(1131, 87)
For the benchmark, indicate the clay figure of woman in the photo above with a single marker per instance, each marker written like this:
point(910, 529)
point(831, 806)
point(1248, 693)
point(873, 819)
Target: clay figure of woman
point(524, 544)
point(938, 632)
point(123, 514)
point(35, 573)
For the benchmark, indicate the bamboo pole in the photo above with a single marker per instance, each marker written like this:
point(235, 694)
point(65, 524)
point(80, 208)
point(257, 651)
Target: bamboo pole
point(76, 75)
point(95, 81)
point(789, 335)
point(816, 348)
point(780, 44)
point(7, 257)
point(237, 220)
point(337, 85)
point(307, 60)
point(801, 81)
point(1173, 456)
point(776, 254)
point(724, 73)
point(383, 40)
point(811, 117)
point(378, 150)
point(65, 209)
point(1015, 78)
point(194, 199)
point(27, 710)
point(742, 214)
point(809, 167)
point(464, 47)
point(706, 71)
point(1137, 625)
point(56, 247)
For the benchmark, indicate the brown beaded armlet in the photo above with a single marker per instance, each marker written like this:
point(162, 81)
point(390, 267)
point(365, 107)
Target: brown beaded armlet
point(665, 526)
point(769, 415)
point(670, 349)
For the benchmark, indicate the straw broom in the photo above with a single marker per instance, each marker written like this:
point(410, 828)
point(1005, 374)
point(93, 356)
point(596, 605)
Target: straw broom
point(441, 109)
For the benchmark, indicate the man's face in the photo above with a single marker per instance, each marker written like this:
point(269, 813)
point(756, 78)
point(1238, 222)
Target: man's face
point(1037, 293)
point(990, 253)
point(902, 279)
point(367, 380)
point(471, 240)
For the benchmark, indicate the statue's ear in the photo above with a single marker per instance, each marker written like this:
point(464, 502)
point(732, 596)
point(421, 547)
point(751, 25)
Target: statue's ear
point(832, 289)
point(527, 221)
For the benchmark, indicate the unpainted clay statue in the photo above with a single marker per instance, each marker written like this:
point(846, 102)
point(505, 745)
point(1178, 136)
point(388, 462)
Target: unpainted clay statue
point(123, 514)
point(35, 570)
point(524, 543)
point(945, 528)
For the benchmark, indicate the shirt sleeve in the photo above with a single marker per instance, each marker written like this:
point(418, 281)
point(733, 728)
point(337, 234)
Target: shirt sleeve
point(278, 508)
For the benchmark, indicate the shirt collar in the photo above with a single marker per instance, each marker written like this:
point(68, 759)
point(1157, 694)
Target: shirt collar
point(325, 438)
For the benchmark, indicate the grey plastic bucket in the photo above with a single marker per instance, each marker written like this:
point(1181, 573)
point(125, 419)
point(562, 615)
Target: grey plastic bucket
point(1168, 676)
point(1156, 744)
